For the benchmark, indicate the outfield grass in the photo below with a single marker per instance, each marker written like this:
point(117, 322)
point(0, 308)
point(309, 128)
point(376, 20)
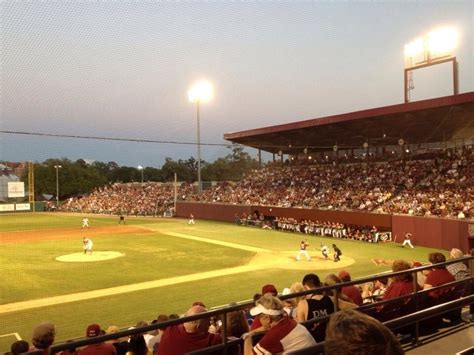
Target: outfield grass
point(29, 270)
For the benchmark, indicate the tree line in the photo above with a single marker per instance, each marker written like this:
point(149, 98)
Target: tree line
point(78, 177)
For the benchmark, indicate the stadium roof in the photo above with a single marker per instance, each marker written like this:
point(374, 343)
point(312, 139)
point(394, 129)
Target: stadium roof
point(435, 120)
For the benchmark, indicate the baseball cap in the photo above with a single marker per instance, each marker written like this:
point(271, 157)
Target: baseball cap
point(344, 275)
point(93, 330)
point(269, 288)
point(260, 309)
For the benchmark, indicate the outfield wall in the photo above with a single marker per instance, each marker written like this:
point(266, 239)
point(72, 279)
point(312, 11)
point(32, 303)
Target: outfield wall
point(434, 232)
point(427, 231)
point(213, 211)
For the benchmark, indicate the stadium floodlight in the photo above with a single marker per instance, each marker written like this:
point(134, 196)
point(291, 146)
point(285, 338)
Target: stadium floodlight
point(57, 167)
point(436, 47)
point(140, 168)
point(201, 91)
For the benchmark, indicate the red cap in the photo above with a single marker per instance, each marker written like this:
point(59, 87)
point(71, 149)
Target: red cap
point(344, 275)
point(93, 330)
point(269, 289)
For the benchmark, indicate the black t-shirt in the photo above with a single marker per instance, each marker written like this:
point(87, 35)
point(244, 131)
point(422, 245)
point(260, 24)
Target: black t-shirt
point(318, 309)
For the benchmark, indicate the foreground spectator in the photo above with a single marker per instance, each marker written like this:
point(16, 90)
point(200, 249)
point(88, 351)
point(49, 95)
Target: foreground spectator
point(19, 347)
point(317, 306)
point(137, 345)
point(352, 332)
point(343, 301)
point(121, 344)
point(353, 292)
point(282, 334)
point(438, 276)
point(400, 285)
point(155, 341)
point(271, 289)
point(93, 330)
point(189, 336)
point(458, 270)
point(43, 337)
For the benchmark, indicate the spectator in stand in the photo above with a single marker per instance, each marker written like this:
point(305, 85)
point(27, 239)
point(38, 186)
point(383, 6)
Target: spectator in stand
point(420, 275)
point(155, 342)
point(353, 292)
point(189, 336)
point(236, 324)
point(282, 334)
point(355, 333)
point(316, 306)
point(43, 337)
point(271, 289)
point(373, 291)
point(148, 337)
point(343, 301)
point(458, 270)
point(121, 344)
point(137, 345)
point(437, 276)
point(93, 330)
point(19, 347)
point(400, 285)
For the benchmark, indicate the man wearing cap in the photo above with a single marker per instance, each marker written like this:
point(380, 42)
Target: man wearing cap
point(189, 336)
point(271, 289)
point(43, 337)
point(93, 330)
point(282, 334)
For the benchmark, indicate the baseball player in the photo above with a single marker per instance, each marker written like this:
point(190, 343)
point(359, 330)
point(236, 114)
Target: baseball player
point(87, 245)
point(191, 219)
point(407, 241)
point(337, 253)
point(85, 222)
point(325, 251)
point(303, 245)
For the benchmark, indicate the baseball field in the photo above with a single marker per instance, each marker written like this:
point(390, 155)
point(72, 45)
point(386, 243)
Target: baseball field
point(151, 266)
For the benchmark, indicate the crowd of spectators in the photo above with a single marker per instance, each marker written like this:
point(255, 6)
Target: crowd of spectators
point(275, 326)
point(441, 186)
point(138, 199)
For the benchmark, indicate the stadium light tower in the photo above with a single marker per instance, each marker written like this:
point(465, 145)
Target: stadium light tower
point(201, 91)
point(57, 167)
point(140, 168)
point(433, 48)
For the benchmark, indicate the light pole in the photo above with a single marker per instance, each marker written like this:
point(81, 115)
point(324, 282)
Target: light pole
point(57, 167)
point(141, 169)
point(201, 91)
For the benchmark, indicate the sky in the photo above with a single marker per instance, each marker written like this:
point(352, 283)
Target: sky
point(117, 68)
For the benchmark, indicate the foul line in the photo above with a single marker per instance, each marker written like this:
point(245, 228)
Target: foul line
point(218, 242)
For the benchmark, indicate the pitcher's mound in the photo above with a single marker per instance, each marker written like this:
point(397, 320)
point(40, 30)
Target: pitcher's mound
point(84, 258)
